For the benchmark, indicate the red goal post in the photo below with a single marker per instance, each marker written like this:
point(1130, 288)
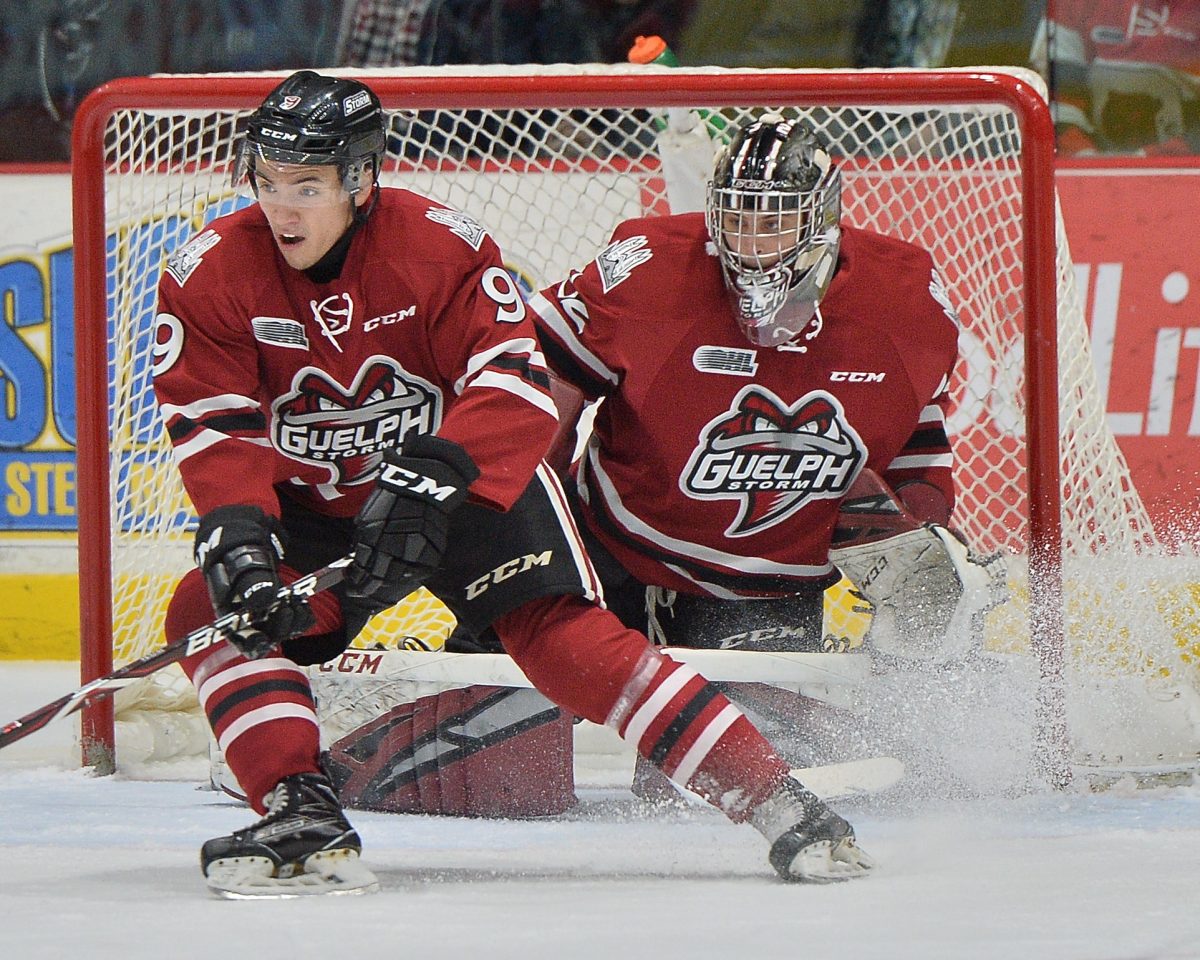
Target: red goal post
point(960, 161)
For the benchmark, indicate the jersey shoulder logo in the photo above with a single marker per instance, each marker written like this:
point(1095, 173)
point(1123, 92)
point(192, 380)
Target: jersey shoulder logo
point(460, 224)
point(617, 261)
point(184, 261)
point(772, 458)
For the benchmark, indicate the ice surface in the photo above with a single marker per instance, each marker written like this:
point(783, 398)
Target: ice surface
point(108, 867)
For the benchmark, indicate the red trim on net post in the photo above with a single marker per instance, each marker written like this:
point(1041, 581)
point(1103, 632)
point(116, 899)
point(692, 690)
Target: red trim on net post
point(678, 88)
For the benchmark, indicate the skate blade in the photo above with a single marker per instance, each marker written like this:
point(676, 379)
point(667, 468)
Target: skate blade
point(338, 872)
point(830, 861)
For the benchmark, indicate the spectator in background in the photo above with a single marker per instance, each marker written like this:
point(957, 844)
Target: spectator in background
point(54, 52)
point(381, 33)
point(1124, 77)
point(904, 33)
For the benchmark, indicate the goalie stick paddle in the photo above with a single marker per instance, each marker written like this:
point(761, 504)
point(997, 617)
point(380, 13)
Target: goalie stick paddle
point(194, 642)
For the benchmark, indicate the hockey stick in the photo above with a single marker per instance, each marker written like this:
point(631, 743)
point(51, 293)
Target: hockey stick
point(194, 642)
point(498, 669)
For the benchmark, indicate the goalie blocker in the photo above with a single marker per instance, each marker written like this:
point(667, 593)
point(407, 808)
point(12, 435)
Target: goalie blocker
point(476, 751)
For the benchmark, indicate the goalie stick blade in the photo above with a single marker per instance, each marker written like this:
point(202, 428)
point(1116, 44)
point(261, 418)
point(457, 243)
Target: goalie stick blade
point(830, 782)
point(339, 873)
point(854, 778)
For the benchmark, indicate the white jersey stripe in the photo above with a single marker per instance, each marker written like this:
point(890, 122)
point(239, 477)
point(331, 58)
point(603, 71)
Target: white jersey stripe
point(224, 401)
point(923, 462)
point(199, 443)
point(510, 383)
point(207, 438)
point(562, 329)
point(521, 347)
point(704, 743)
point(646, 714)
point(274, 711)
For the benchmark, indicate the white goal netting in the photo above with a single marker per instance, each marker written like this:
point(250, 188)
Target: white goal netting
point(550, 165)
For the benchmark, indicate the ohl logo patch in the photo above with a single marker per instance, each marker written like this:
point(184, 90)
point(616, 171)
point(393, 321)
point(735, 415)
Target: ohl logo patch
point(348, 428)
point(773, 458)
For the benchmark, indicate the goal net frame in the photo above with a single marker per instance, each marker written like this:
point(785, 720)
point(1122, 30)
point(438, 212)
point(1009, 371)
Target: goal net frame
point(653, 90)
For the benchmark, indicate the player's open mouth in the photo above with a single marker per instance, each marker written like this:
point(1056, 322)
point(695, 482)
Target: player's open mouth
point(289, 239)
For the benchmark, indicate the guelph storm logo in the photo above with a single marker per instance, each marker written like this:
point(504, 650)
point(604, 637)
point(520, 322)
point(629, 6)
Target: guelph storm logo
point(772, 457)
point(348, 428)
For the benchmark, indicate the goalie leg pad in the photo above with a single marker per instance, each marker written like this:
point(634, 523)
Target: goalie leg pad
point(480, 751)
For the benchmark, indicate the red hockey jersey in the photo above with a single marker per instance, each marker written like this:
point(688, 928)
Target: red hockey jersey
point(716, 467)
point(266, 379)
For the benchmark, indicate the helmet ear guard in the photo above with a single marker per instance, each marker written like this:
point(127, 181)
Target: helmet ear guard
point(773, 212)
point(316, 120)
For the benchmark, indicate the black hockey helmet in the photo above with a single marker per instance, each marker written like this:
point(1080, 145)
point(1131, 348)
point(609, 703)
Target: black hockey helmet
point(773, 211)
point(311, 118)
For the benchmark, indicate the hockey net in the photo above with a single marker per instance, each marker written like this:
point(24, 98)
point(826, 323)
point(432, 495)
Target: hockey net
point(550, 160)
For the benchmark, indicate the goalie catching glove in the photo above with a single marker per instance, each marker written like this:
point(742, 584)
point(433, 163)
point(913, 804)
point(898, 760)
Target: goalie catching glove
point(929, 592)
point(401, 531)
point(238, 549)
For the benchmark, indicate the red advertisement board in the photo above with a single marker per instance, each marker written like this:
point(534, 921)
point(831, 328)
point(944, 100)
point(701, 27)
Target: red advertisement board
point(1133, 230)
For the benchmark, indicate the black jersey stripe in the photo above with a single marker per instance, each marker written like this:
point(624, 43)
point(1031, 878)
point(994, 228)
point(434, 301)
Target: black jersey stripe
point(522, 366)
point(235, 698)
point(564, 364)
point(680, 722)
point(929, 438)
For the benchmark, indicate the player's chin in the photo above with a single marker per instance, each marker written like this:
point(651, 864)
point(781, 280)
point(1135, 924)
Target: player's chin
point(297, 252)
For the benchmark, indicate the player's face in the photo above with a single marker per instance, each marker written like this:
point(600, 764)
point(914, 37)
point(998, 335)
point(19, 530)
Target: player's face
point(760, 239)
point(307, 208)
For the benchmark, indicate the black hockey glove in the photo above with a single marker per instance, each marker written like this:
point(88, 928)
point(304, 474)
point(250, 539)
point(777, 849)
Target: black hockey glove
point(400, 533)
point(238, 549)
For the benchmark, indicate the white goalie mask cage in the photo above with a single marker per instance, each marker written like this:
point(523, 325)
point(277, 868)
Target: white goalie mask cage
point(773, 212)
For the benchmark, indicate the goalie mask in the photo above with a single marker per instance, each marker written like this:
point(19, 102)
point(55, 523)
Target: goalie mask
point(311, 119)
point(773, 208)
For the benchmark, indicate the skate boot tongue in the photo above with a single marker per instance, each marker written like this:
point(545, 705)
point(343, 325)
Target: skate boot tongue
point(303, 845)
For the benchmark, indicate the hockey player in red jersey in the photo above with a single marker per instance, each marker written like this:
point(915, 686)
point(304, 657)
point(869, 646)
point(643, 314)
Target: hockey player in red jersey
point(348, 369)
point(753, 361)
point(758, 364)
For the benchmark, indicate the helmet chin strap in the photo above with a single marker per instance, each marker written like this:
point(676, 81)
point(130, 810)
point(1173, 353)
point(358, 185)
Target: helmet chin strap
point(361, 213)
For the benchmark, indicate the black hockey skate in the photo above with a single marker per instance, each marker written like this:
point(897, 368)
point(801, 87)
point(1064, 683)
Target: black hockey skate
point(809, 842)
point(304, 845)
